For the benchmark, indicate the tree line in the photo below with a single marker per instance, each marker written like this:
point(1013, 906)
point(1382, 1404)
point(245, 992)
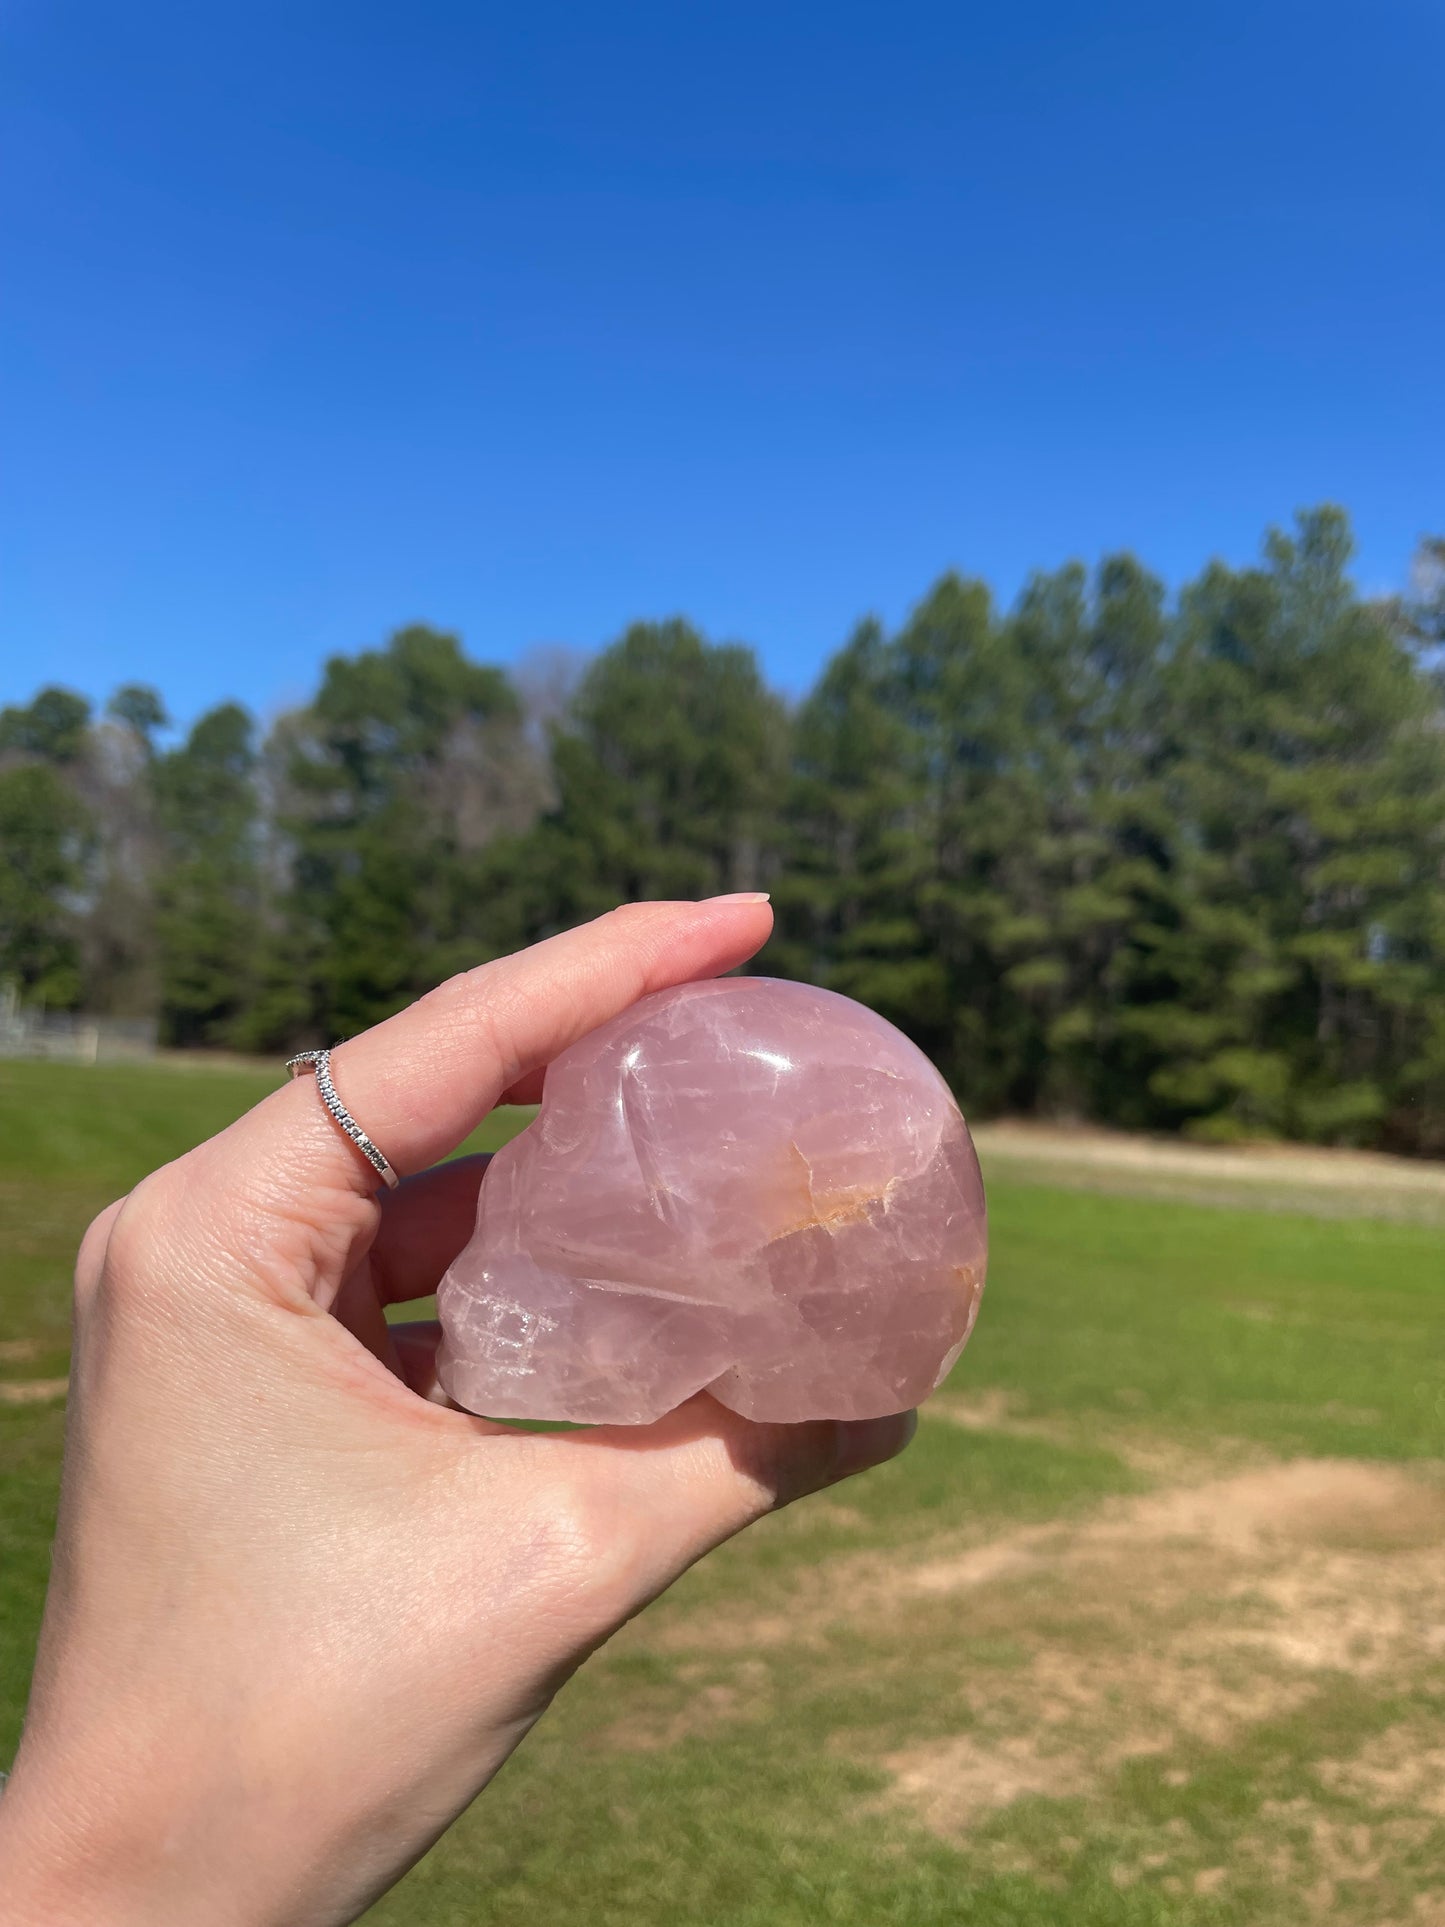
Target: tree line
point(1167, 863)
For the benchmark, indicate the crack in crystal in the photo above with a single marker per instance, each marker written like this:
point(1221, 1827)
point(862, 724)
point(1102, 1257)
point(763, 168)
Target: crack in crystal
point(835, 1209)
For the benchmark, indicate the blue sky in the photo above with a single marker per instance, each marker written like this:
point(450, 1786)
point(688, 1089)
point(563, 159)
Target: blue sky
point(528, 321)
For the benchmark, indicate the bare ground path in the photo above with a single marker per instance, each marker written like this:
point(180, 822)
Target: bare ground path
point(1280, 1177)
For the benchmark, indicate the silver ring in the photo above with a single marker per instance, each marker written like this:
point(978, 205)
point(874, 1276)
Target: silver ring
point(320, 1062)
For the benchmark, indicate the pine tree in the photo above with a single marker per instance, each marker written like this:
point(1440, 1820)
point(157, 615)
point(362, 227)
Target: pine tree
point(1308, 783)
point(46, 834)
point(668, 772)
point(209, 886)
point(391, 785)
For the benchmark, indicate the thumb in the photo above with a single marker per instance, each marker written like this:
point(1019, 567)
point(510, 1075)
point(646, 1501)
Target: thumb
point(676, 1489)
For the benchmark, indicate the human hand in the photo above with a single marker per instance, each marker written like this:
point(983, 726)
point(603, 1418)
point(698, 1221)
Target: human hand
point(301, 1608)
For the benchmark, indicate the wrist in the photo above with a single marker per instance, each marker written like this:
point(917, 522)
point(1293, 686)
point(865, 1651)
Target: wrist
point(49, 1875)
point(72, 1855)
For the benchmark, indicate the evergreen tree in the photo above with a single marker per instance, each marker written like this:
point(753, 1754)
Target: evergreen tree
point(45, 837)
point(393, 781)
point(51, 729)
point(43, 831)
point(209, 902)
point(850, 888)
point(1308, 785)
point(138, 708)
point(668, 771)
point(113, 775)
point(1087, 861)
point(1169, 867)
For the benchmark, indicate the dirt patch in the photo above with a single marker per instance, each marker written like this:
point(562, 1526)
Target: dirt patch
point(1183, 1627)
point(1403, 1767)
point(1227, 1606)
point(994, 1410)
point(1305, 1502)
point(1298, 1163)
point(32, 1391)
point(821, 1511)
point(1157, 1625)
point(991, 1410)
point(1244, 1530)
point(1163, 1461)
point(1343, 1867)
point(1343, 1871)
point(746, 1695)
point(1155, 1699)
point(1293, 1177)
point(954, 1782)
point(19, 1351)
point(982, 1565)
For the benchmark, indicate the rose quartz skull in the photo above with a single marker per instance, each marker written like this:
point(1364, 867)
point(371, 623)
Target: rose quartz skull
point(746, 1185)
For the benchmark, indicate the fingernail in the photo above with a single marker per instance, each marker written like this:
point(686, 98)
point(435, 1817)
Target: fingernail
point(740, 896)
point(870, 1441)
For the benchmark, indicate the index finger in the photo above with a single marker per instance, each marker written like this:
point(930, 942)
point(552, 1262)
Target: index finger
point(422, 1080)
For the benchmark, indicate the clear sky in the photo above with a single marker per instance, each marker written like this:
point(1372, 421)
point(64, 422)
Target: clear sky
point(526, 321)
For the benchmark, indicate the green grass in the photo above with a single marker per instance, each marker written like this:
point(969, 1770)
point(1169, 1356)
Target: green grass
point(735, 1759)
point(1306, 1334)
point(73, 1139)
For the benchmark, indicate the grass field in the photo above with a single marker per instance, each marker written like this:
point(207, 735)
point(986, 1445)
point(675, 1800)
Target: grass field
point(1148, 1627)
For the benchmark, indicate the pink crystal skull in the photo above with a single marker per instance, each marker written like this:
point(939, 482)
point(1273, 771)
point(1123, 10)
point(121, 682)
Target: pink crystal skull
point(747, 1185)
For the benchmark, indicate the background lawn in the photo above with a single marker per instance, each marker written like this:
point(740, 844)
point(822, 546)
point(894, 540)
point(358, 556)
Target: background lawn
point(1145, 1628)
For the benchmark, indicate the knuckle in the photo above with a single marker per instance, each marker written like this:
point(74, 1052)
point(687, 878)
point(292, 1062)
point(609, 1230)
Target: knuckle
point(588, 1550)
point(633, 925)
point(626, 916)
point(94, 1248)
point(130, 1234)
point(475, 1013)
point(129, 1239)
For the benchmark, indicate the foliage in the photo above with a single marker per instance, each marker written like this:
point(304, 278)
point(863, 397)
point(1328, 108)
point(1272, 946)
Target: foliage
point(410, 759)
point(1172, 865)
point(208, 896)
point(42, 827)
point(52, 729)
point(668, 773)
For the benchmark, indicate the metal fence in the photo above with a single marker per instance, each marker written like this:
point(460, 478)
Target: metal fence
point(72, 1036)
